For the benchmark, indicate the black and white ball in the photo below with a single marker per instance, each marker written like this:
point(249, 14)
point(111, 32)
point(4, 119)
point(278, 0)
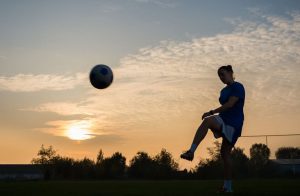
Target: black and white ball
point(101, 76)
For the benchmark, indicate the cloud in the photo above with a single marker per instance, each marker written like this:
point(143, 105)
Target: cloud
point(172, 81)
point(161, 3)
point(62, 108)
point(111, 8)
point(40, 82)
point(265, 56)
point(2, 57)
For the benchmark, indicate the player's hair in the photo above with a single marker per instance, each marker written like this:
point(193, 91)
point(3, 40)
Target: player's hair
point(227, 68)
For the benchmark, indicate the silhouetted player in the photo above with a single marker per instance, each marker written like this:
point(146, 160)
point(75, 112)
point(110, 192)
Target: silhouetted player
point(227, 124)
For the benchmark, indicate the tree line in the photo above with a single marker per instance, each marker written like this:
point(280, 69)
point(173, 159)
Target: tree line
point(162, 165)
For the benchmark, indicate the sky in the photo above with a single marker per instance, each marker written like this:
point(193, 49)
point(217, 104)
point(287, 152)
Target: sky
point(164, 55)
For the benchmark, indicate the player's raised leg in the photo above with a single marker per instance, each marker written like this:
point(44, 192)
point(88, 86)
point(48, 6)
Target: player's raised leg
point(208, 123)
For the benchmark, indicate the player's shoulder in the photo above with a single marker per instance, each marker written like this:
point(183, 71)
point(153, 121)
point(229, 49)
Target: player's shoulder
point(237, 84)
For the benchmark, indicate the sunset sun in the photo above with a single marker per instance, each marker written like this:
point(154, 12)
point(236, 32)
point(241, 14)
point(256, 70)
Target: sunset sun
point(79, 131)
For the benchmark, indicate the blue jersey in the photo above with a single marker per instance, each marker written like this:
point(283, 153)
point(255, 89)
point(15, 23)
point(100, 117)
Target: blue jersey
point(234, 116)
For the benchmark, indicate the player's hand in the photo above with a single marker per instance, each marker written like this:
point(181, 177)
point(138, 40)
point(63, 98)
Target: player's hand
point(206, 114)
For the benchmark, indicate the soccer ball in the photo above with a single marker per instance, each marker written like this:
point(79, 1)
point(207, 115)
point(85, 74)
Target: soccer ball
point(101, 76)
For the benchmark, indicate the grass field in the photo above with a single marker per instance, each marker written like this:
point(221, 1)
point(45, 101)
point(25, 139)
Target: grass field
point(176, 187)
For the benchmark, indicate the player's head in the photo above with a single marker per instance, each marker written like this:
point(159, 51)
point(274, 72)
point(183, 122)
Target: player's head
point(226, 74)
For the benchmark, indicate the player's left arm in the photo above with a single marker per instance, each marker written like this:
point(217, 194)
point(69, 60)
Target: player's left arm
point(230, 103)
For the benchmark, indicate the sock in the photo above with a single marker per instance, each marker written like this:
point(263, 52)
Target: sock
point(227, 185)
point(193, 148)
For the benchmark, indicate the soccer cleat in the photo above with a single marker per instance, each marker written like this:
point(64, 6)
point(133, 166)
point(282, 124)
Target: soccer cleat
point(223, 190)
point(188, 155)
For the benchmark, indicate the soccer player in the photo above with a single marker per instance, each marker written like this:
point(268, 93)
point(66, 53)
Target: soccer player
point(227, 123)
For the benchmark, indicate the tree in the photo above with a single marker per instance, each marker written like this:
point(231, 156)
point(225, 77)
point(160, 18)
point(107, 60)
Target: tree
point(45, 158)
point(165, 164)
point(118, 165)
point(259, 153)
point(165, 158)
point(45, 155)
point(100, 157)
point(112, 167)
point(259, 158)
point(288, 153)
point(84, 169)
point(215, 152)
point(63, 167)
point(213, 167)
point(240, 162)
point(141, 166)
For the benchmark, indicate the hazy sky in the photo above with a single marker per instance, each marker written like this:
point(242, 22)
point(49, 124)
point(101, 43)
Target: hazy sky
point(164, 55)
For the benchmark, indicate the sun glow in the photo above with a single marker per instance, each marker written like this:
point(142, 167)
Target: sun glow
point(79, 131)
